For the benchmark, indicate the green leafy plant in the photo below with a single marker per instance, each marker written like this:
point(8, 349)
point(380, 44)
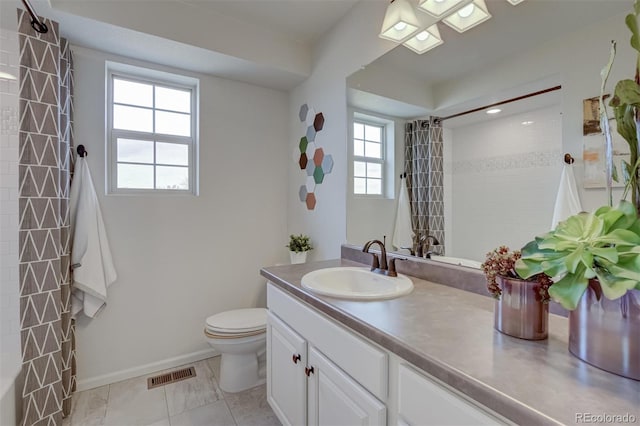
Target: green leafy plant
point(603, 245)
point(299, 243)
point(626, 108)
point(501, 262)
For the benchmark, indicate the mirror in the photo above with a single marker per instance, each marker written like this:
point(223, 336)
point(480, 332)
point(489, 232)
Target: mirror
point(500, 171)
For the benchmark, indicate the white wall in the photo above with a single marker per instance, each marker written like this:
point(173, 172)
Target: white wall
point(352, 43)
point(10, 354)
point(181, 259)
point(504, 181)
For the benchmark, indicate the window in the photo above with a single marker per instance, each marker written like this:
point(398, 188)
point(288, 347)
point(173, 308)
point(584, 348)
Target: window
point(152, 134)
point(368, 158)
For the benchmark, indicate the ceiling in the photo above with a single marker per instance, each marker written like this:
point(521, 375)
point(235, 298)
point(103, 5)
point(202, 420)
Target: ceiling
point(301, 23)
point(302, 20)
point(263, 42)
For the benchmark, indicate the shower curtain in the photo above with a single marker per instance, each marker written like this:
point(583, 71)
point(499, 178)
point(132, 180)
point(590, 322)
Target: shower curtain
point(45, 142)
point(423, 165)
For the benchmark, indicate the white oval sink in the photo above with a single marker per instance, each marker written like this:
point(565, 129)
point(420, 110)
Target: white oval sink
point(356, 283)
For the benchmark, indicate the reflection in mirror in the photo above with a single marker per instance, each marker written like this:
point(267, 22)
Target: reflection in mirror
point(500, 172)
point(499, 178)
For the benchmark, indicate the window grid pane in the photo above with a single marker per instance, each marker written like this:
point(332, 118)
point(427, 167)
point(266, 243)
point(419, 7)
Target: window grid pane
point(374, 186)
point(148, 108)
point(368, 148)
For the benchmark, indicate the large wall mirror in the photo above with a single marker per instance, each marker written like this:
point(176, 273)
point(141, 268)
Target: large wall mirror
point(500, 172)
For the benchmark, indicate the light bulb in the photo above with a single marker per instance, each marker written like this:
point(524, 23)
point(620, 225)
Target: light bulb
point(494, 111)
point(423, 36)
point(466, 11)
point(400, 26)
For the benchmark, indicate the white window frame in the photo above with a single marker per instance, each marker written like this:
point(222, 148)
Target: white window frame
point(160, 79)
point(382, 161)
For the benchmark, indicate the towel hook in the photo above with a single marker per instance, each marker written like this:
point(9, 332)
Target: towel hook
point(81, 151)
point(568, 158)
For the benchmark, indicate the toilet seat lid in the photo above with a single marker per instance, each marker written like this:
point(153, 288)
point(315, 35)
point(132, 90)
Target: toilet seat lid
point(238, 320)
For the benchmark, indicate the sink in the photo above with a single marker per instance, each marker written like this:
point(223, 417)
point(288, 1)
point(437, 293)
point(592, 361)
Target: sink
point(356, 283)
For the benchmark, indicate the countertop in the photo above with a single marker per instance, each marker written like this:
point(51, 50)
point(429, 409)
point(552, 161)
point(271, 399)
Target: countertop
point(449, 333)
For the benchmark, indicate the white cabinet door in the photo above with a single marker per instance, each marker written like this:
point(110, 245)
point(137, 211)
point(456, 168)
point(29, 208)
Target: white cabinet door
point(424, 402)
point(286, 381)
point(335, 399)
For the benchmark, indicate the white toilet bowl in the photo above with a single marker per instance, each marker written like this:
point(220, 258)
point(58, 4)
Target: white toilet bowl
point(240, 337)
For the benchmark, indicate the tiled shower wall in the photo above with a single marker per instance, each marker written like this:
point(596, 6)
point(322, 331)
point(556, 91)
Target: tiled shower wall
point(505, 177)
point(9, 291)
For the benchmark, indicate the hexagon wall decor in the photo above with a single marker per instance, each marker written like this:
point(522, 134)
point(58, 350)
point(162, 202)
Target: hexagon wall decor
point(303, 161)
point(311, 134)
point(318, 122)
point(303, 112)
point(311, 201)
point(310, 156)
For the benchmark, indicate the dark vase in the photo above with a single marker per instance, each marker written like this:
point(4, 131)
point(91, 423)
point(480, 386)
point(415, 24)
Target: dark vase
point(606, 333)
point(520, 311)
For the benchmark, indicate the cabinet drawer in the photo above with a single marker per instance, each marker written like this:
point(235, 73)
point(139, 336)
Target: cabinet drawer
point(361, 360)
point(423, 401)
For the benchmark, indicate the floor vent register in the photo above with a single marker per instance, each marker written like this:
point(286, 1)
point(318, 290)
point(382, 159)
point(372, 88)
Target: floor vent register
point(171, 377)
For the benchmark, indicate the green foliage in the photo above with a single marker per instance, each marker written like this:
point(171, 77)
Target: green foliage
point(603, 245)
point(626, 108)
point(299, 243)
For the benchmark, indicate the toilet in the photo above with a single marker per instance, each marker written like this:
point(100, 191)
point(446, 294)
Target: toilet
point(240, 337)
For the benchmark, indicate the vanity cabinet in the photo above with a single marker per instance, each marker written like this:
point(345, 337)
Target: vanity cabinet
point(318, 373)
point(321, 373)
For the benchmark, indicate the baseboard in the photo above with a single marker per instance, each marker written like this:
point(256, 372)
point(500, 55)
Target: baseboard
point(141, 370)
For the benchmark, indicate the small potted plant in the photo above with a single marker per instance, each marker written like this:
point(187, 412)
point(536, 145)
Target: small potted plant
point(521, 307)
point(299, 245)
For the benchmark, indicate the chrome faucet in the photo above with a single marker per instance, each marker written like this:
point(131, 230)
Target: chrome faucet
point(379, 266)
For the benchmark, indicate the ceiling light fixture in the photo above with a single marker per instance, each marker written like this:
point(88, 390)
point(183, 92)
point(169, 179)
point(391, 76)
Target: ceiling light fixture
point(424, 40)
point(400, 21)
point(403, 25)
point(527, 123)
point(439, 8)
point(469, 16)
point(494, 111)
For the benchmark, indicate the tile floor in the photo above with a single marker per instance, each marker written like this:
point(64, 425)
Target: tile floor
point(193, 402)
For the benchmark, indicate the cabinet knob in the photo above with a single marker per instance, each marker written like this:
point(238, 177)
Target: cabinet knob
point(308, 371)
point(296, 358)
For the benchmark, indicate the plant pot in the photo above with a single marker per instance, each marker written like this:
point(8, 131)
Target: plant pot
point(606, 333)
point(299, 257)
point(520, 312)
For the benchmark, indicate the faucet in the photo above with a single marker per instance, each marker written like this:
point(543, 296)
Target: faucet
point(379, 266)
point(434, 242)
point(424, 240)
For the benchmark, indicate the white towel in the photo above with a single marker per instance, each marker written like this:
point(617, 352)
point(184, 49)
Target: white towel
point(93, 269)
point(403, 233)
point(567, 200)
